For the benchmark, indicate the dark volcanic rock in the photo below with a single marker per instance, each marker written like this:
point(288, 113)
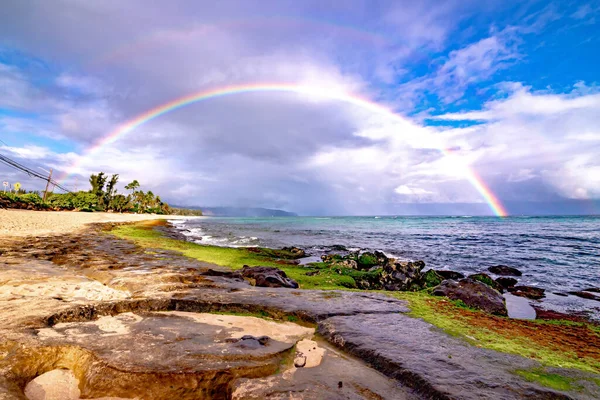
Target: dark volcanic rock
point(474, 294)
point(504, 270)
point(528, 291)
point(403, 276)
point(449, 274)
point(268, 277)
point(506, 282)
point(431, 278)
point(585, 295)
point(368, 260)
point(592, 289)
point(338, 247)
point(486, 279)
point(295, 251)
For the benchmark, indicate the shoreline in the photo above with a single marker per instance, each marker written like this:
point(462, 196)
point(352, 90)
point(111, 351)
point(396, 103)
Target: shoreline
point(117, 280)
point(22, 223)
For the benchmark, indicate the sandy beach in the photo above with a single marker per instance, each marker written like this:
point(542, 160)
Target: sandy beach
point(26, 223)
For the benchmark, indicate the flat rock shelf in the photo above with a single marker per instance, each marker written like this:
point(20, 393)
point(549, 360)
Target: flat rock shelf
point(138, 323)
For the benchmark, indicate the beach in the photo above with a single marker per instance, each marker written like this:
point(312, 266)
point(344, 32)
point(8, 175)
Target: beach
point(89, 306)
point(34, 223)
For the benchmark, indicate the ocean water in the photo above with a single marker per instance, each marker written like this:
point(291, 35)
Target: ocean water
point(559, 254)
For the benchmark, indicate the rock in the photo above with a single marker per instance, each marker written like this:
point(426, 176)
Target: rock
point(300, 362)
point(528, 291)
point(367, 260)
point(347, 264)
point(486, 279)
point(504, 270)
point(449, 274)
point(295, 251)
point(313, 273)
point(592, 289)
point(338, 247)
point(58, 384)
point(403, 276)
point(431, 278)
point(474, 294)
point(268, 277)
point(506, 282)
point(227, 274)
point(331, 258)
point(585, 295)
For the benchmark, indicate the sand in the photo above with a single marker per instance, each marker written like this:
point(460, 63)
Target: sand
point(32, 223)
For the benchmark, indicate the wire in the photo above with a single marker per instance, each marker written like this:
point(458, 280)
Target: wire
point(15, 165)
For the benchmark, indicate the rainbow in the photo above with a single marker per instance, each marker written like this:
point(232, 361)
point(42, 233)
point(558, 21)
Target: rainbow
point(312, 91)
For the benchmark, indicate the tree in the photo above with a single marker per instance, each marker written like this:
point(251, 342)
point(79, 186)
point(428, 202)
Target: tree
point(98, 182)
point(133, 186)
point(111, 191)
point(121, 203)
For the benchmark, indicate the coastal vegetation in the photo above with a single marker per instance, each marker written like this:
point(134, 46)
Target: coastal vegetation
point(102, 196)
point(554, 343)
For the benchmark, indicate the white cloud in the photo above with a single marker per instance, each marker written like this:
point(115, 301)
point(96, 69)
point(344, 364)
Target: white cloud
point(403, 189)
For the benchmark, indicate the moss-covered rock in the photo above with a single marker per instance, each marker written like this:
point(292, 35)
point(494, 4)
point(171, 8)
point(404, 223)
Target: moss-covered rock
point(431, 279)
point(367, 260)
point(486, 279)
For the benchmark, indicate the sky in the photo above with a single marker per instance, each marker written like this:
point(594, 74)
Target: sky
point(468, 103)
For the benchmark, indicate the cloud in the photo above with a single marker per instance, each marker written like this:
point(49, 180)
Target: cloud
point(561, 127)
point(105, 63)
point(525, 103)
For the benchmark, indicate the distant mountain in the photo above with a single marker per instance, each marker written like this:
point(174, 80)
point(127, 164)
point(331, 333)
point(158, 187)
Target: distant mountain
point(242, 212)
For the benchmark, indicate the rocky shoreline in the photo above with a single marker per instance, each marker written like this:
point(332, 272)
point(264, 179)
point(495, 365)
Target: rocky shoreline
point(133, 322)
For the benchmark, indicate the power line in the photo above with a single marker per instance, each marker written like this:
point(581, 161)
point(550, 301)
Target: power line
point(15, 165)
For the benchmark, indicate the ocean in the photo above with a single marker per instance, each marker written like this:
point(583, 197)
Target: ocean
point(559, 254)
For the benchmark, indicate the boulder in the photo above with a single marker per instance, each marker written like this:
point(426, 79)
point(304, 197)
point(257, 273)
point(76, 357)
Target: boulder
point(449, 274)
point(58, 384)
point(268, 277)
point(506, 282)
point(296, 252)
point(431, 278)
point(486, 279)
point(528, 291)
point(474, 294)
point(338, 247)
point(403, 276)
point(368, 260)
point(504, 270)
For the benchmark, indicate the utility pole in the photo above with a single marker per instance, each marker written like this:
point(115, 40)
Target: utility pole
point(48, 185)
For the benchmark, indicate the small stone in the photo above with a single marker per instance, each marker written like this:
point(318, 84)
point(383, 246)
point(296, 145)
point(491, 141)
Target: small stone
point(300, 362)
point(58, 384)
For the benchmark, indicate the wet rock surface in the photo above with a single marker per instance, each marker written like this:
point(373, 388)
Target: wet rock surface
point(506, 282)
point(487, 280)
point(474, 294)
point(504, 270)
point(530, 292)
point(435, 366)
point(133, 322)
point(449, 274)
